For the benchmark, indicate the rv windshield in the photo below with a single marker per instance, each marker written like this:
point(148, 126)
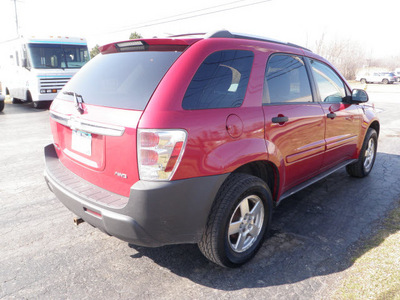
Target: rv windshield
point(57, 56)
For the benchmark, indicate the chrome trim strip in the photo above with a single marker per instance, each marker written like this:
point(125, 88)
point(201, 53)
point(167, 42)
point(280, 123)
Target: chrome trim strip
point(59, 118)
point(76, 123)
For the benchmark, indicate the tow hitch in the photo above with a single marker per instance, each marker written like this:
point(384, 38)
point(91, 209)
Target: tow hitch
point(78, 221)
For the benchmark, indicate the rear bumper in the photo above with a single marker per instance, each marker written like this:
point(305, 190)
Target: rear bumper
point(155, 214)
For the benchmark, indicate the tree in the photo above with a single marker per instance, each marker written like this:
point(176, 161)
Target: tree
point(135, 35)
point(346, 55)
point(95, 50)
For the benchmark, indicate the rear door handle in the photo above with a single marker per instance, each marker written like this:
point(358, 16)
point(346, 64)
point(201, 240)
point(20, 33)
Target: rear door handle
point(280, 120)
point(331, 115)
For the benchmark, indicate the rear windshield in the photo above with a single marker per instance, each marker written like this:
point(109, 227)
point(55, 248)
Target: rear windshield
point(120, 80)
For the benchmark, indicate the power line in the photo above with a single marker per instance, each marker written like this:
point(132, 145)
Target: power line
point(10, 40)
point(186, 13)
point(159, 21)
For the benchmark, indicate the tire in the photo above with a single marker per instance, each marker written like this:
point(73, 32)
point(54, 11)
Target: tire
point(1, 106)
point(363, 166)
point(41, 104)
point(385, 81)
point(16, 101)
point(363, 80)
point(239, 219)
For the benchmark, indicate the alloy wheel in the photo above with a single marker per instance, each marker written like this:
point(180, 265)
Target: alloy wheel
point(246, 223)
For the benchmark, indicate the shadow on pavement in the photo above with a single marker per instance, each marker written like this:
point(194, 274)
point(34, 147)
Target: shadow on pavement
point(314, 233)
point(23, 108)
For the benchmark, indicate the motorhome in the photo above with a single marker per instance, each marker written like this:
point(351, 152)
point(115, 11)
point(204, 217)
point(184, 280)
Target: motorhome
point(34, 69)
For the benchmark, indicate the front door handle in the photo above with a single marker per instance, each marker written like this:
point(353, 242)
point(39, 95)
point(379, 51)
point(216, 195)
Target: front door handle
point(331, 115)
point(280, 120)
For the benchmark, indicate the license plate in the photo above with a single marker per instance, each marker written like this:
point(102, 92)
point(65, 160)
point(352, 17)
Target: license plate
point(82, 142)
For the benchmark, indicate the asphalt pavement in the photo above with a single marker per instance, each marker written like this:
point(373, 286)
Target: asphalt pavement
point(314, 233)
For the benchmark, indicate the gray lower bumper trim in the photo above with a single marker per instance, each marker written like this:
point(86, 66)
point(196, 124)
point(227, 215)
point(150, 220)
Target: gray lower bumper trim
point(156, 214)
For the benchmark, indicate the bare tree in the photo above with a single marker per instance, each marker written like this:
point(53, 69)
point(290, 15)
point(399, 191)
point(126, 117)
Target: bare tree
point(345, 54)
point(388, 63)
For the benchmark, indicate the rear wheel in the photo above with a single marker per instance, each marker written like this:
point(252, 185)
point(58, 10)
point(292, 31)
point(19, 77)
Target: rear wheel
point(1, 106)
point(239, 219)
point(367, 156)
point(41, 104)
point(385, 81)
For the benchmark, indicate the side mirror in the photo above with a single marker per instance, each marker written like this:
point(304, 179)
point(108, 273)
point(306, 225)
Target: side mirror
point(359, 96)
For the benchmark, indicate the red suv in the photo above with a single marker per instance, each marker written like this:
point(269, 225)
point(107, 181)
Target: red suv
point(194, 139)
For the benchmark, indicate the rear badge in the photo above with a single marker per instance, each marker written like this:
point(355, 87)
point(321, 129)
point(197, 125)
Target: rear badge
point(122, 175)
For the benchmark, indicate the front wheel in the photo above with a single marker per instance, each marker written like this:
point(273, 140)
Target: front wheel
point(363, 166)
point(363, 81)
point(385, 81)
point(238, 222)
point(16, 101)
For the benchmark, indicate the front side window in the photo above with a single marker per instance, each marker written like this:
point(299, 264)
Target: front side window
point(221, 81)
point(331, 88)
point(17, 58)
point(286, 80)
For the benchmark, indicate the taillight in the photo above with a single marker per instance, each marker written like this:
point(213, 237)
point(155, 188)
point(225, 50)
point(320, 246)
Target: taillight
point(174, 157)
point(149, 139)
point(159, 152)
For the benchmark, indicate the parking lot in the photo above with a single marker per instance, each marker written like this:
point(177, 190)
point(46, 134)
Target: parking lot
point(314, 232)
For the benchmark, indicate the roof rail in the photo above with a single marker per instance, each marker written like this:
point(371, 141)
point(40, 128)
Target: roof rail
point(232, 35)
point(186, 35)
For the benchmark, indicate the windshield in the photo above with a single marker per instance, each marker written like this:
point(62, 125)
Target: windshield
point(57, 56)
point(120, 80)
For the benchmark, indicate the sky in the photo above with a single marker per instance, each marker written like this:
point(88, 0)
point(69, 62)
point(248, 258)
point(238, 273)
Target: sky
point(372, 24)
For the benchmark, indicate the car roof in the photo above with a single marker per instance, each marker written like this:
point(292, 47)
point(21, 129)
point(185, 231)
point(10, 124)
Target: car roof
point(183, 41)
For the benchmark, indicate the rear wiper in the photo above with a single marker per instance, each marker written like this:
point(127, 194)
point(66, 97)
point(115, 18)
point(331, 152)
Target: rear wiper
point(78, 100)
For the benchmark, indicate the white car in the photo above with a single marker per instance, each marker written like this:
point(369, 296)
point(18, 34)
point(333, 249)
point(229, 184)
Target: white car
point(397, 74)
point(1, 102)
point(377, 77)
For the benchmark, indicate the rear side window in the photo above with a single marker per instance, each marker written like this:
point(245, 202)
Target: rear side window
point(221, 81)
point(286, 80)
point(121, 80)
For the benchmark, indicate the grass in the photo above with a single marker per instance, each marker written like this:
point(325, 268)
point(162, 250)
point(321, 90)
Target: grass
point(376, 273)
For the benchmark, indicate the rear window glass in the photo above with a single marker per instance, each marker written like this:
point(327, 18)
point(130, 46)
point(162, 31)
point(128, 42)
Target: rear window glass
point(120, 80)
point(221, 81)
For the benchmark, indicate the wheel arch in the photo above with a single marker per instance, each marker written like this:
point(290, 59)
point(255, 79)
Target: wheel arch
point(375, 125)
point(28, 96)
point(266, 171)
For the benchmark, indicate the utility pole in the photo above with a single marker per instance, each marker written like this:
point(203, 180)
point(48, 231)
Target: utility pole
point(16, 16)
